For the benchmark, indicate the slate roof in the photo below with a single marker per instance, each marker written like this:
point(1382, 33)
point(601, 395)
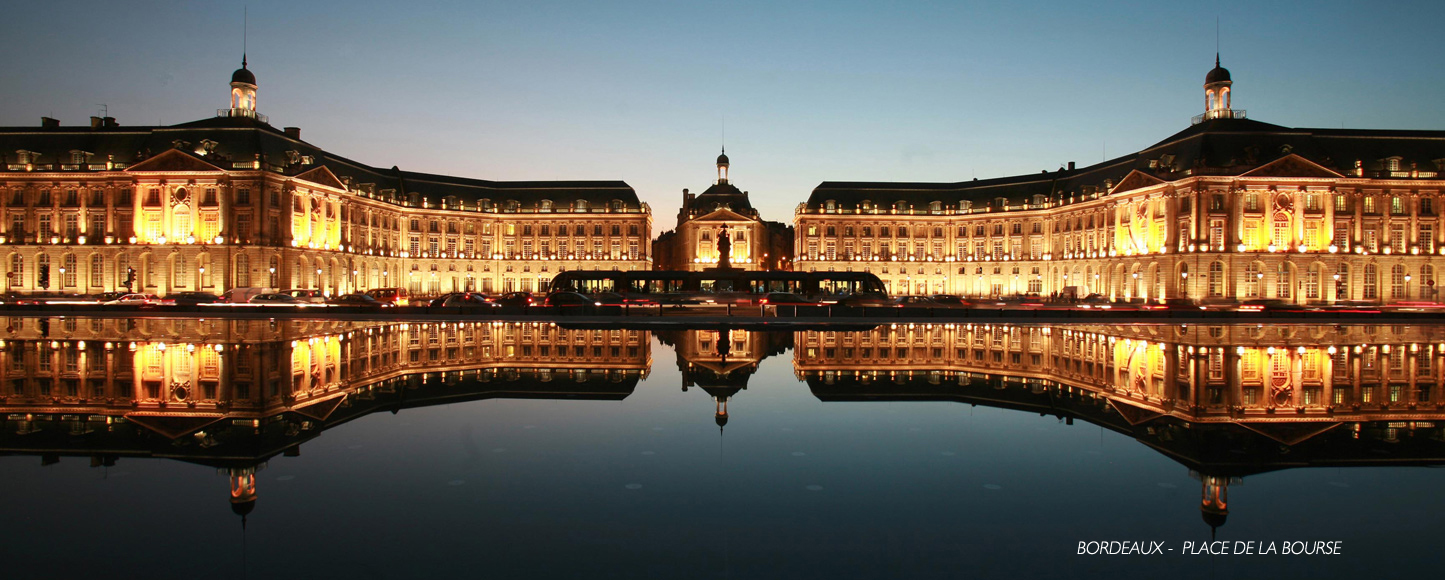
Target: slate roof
point(240, 141)
point(1212, 147)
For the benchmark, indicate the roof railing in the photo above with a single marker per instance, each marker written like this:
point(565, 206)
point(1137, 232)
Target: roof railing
point(1220, 114)
point(243, 113)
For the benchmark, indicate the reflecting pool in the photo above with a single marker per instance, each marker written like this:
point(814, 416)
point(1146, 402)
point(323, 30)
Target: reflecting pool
point(313, 449)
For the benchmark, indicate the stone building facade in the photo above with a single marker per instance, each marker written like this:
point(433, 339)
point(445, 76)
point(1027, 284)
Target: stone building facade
point(232, 202)
point(694, 245)
point(1227, 209)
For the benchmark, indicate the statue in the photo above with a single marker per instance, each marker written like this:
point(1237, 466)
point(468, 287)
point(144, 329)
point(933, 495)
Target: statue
point(724, 250)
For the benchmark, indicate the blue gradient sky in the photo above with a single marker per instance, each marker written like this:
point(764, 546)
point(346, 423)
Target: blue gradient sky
point(811, 91)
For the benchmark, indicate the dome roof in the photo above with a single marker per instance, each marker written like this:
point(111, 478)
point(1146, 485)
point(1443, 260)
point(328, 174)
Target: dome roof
point(243, 75)
point(722, 159)
point(721, 419)
point(1218, 74)
point(242, 508)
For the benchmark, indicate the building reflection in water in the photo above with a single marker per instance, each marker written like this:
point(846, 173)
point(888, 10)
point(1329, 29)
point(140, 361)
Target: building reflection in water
point(232, 394)
point(1227, 402)
point(721, 360)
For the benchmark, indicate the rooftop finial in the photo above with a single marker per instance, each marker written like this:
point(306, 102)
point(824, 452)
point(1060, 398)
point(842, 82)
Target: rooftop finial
point(245, 26)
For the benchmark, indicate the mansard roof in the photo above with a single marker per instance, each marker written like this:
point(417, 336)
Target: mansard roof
point(1221, 147)
point(242, 143)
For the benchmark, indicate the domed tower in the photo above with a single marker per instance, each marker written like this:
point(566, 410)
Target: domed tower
point(1217, 94)
point(722, 167)
point(243, 91)
point(1214, 505)
point(243, 491)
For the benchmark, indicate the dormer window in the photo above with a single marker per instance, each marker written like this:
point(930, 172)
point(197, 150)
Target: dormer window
point(866, 206)
point(618, 206)
point(1392, 163)
point(1000, 203)
point(579, 205)
point(545, 206)
point(1040, 199)
point(830, 206)
point(513, 206)
point(935, 207)
point(965, 205)
point(900, 206)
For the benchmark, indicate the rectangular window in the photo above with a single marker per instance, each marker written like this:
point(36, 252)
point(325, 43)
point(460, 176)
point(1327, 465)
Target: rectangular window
point(1397, 238)
point(1426, 238)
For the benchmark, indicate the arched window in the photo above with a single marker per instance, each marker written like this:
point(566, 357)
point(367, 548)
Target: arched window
point(1279, 232)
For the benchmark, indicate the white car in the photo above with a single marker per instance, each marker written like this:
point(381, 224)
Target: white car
point(306, 296)
point(136, 300)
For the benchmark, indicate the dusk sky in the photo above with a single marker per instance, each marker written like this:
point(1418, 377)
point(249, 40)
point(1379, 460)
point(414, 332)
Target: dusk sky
point(809, 91)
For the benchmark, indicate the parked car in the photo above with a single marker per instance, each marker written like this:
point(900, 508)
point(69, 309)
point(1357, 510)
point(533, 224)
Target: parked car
point(518, 299)
point(608, 299)
point(951, 301)
point(571, 303)
point(104, 297)
point(355, 300)
point(137, 300)
point(390, 296)
point(244, 294)
point(917, 302)
point(275, 299)
point(194, 297)
point(306, 295)
point(463, 300)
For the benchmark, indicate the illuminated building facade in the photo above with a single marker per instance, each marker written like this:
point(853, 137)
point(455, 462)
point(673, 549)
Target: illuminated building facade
point(232, 202)
point(1227, 209)
point(234, 393)
point(1225, 401)
point(696, 243)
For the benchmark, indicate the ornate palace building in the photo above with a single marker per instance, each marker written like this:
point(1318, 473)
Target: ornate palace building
point(231, 202)
point(1229, 208)
point(695, 244)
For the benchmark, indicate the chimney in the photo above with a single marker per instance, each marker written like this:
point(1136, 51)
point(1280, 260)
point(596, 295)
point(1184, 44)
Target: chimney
point(294, 133)
point(96, 122)
point(49, 123)
point(1071, 166)
point(110, 122)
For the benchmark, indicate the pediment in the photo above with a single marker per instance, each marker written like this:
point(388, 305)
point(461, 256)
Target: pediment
point(171, 426)
point(1135, 180)
point(1134, 414)
point(1289, 433)
point(174, 160)
point(321, 409)
point(322, 176)
point(722, 215)
point(1292, 165)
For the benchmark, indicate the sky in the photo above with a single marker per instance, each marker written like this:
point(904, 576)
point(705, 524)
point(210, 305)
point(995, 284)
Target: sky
point(805, 92)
